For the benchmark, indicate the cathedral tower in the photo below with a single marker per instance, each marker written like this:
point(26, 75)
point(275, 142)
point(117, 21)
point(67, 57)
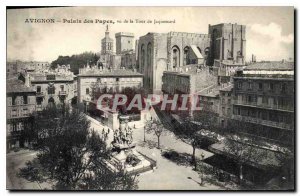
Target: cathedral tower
point(107, 45)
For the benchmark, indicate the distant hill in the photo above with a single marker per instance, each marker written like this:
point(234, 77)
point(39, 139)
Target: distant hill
point(76, 61)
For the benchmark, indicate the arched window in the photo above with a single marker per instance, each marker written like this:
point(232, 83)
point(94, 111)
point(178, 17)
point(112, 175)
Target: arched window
point(143, 57)
point(216, 44)
point(175, 56)
point(185, 56)
point(206, 51)
point(149, 54)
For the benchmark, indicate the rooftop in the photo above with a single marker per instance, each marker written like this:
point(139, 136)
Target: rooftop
point(203, 78)
point(196, 51)
point(107, 73)
point(211, 91)
point(271, 65)
point(13, 85)
point(227, 88)
point(60, 75)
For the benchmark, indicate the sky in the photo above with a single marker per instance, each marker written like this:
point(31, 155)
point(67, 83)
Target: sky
point(269, 30)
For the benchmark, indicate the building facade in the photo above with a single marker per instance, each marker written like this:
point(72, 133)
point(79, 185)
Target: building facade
point(20, 105)
point(124, 42)
point(167, 51)
point(263, 96)
point(225, 108)
point(108, 57)
point(107, 43)
point(128, 60)
point(15, 67)
point(113, 80)
point(57, 86)
point(228, 42)
point(226, 69)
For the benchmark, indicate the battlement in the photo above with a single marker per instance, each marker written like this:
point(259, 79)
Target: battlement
point(185, 34)
point(127, 34)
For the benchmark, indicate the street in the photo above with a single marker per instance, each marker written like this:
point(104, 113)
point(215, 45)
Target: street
point(168, 174)
point(15, 161)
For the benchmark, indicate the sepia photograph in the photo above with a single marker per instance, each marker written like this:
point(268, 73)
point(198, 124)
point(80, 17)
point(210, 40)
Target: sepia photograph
point(150, 98)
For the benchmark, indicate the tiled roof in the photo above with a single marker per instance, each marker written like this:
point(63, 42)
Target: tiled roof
point(197, 52)
point(13, 85)
point(36, 76)
point(275, 65)
point(116, 72)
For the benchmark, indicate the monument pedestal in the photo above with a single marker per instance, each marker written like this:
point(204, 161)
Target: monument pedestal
point(125, 158)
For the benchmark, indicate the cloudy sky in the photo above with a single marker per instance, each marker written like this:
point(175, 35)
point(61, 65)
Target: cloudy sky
point(269, 30)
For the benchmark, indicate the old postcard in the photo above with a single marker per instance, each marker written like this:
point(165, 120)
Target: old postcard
point(150, 98)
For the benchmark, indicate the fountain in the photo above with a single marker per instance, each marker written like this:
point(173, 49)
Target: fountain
point(125, 157)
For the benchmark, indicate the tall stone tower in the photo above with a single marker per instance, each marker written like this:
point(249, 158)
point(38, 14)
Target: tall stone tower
point(107, 44)
point(228, 42)
point(124, 42)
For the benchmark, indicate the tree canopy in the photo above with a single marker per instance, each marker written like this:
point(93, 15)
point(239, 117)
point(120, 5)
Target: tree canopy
point(76, 61)
point(69, 151)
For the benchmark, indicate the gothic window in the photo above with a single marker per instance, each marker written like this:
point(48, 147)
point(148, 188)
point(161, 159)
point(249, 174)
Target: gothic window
point(149, 54)
point(175, 56)
point(143, 57)
point(206, 51)
point(185, 56)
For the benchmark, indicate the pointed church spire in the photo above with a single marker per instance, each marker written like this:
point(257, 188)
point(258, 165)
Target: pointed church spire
point(107, 31)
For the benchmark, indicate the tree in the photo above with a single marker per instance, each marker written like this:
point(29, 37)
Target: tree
point(104, 179)
point(147, 128)
point(207, 119)
point(62, 144)
point(158, 129)
point(286, 159)
point(191, 135)
point(68, 149)
point(76, 61)
point(243, 150)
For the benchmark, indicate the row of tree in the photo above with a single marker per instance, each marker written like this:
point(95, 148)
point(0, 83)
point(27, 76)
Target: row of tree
point(241, 149)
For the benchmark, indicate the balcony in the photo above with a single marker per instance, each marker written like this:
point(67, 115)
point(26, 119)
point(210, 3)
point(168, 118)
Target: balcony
point(287, 108)
point(62, 93)
point(268, 123)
